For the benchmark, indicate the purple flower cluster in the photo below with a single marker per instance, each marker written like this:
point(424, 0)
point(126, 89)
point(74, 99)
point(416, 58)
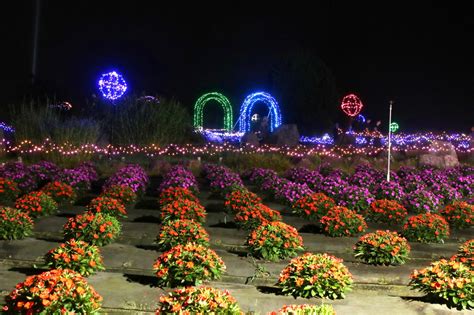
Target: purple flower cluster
point(222, 180)
point(332, 186)
point(302, 175)
point(421, 201)
point(362, 178)
point(80, 177)
point(260, 175)
point(45, 171)
point(391, 190)
point(21, 174)
point(445, 193)
point(131, 175)
point(288, 192)
point(355, 198)
point(179, 176)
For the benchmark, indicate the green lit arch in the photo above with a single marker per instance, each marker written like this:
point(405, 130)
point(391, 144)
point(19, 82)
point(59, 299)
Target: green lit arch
point(222, 100)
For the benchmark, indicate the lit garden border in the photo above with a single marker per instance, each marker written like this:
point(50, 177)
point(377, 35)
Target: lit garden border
point(222, 100)
point(246, 110)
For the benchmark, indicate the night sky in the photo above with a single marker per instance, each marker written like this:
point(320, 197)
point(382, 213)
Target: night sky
point(417, 54)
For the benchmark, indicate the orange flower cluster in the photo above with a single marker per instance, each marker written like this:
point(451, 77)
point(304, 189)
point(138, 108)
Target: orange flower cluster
point(340, 221)
point(36, 203)
point(95, 228)
point(179, 231)
point(253, 216)
point(188, 264)
point(314, 206)
point(387, 211)
point(466, 254)
point(107, 205)
point(172, 194)
point(301, 309)
point(274, 241)
point(314, 275)
point(382, 248)
point(239, 199)
point(53, 292)
point(198, 300)
point(183, 209)
point(14, 224)
point(75, 255)
point(124, 194)
point(8, 190)
point(426, 228)
point(459, 214)
point(61, 193)
point(447, 279)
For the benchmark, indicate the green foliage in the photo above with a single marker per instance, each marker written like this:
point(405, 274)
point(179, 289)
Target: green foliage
point(143, 123)
point(244, 162)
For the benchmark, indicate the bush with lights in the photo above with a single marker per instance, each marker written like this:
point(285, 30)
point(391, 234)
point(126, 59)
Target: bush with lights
point(188, 264)
point(254, 216)
point(173, 194)
point(95, 228)
point(61, 193)
point(274, 241)
point(107, 205)
point(179, 231)
point(14, 224)
point(448, 280)
point(315, 275)
point(75, 255)
point(198, 300)
point(58, 291)
point(314, 206)
point(9, 190)
point(386, 211)
point(126, 195)
point(36, 204)
point(340, 221)
point(240, 199)
point(426, 228)
point(183, 209)
point(305, 309)
point(459, 214)
point(382, 248)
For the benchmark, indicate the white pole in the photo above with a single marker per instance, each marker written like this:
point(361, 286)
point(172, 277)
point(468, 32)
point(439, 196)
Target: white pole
point(389, 140)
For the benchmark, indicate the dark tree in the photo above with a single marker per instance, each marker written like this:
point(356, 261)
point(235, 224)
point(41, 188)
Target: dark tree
point(306, 90)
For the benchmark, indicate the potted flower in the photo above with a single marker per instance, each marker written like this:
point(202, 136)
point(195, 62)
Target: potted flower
point(179, 231)
point(459, 214)
point(37, 203)
point(188, 264)
point(53, 292)
point(387, 211)
point(340, 221)
point(79, 256)
point(61, 193)
point(198, 300)
point(314, 206)
point(274, 241)
point(14, 224)
point(9, 190)
point(183, 209)
point(95, 228)
point(315, 275)
point(449, 280)
point(108, 205)
point(382, 248)
point(251, 217)
point(426, 228)
point(126, 195)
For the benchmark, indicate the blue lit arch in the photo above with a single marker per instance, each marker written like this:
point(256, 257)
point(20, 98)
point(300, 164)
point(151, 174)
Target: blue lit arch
point(247, 106)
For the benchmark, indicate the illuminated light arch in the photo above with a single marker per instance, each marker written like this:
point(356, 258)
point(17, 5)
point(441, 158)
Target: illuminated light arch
point(247, 106)
point(213, 96)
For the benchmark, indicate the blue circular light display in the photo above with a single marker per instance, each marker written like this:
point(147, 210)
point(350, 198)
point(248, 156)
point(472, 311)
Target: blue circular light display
point(112, 85)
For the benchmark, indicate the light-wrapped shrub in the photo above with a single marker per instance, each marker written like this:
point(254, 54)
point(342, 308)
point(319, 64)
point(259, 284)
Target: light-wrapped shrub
point(14, 224)
point(36, 204)
point(382, 248)
point(179, 231)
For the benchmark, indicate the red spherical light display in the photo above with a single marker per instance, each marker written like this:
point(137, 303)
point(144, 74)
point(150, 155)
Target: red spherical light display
point(351, 105)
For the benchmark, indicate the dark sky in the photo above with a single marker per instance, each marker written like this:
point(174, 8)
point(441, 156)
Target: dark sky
point(419, 54)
